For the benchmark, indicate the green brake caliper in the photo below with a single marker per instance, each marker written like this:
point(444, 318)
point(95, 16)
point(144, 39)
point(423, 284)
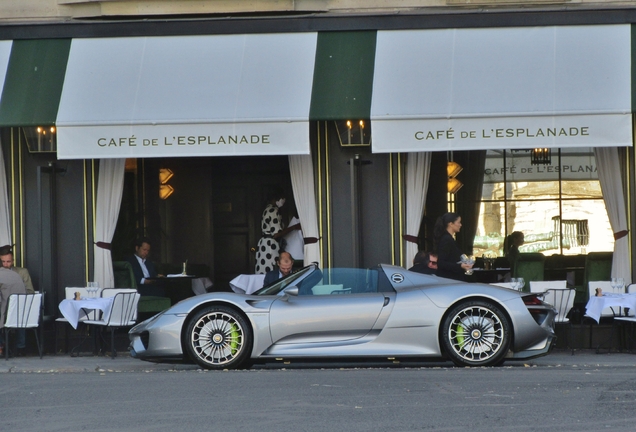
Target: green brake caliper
point(460, 335)
point(234, 337)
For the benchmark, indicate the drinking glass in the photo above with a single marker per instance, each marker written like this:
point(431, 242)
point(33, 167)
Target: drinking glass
point(514, 283)
point(520, 283)
point(620, 285)
point(614, 284)
point(468, 260)
point(93, 287)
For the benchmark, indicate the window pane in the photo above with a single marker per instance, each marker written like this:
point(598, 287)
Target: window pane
point(538, 221)
point(581, 189)
point(533, 190)
point(580, 216)
point(558, 206)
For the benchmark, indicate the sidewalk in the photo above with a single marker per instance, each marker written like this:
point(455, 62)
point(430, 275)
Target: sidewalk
point(124, 363)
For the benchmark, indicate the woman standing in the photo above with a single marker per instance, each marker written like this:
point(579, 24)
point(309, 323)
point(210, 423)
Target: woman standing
point(272, 228)
point(511, 248)
point(448, 253)
point(511, 245)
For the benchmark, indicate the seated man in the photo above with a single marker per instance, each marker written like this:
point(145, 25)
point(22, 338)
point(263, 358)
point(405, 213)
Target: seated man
point(6, 256)
point(425, 263)
point(10, 283)
point(142, 267)
point(285, 264)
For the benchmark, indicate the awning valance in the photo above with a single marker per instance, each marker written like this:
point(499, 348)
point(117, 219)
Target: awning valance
point(502, 88)
point(187, 96)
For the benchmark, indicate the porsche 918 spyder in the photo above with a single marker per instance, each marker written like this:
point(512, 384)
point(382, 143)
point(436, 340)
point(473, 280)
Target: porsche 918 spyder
point(339, 313)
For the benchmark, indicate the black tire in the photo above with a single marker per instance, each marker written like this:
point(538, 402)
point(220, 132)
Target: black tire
point(218, 337)
point(476, 333)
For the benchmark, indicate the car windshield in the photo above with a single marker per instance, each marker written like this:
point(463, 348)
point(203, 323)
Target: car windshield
point(279, 285)
point(312, 281)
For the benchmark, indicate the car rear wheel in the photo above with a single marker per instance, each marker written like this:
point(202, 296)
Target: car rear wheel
point(476, 333)
point(218, 337)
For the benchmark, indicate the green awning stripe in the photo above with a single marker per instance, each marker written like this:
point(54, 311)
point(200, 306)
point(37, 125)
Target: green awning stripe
point(343, 75)
point(34, 80)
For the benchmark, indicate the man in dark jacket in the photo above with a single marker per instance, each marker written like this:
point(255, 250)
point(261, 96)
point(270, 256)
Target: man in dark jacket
point(425, 263)
point(285, 264)
point(142, 267)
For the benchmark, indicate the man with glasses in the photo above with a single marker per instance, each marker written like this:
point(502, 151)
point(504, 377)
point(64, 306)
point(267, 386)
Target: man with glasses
point(425, 263)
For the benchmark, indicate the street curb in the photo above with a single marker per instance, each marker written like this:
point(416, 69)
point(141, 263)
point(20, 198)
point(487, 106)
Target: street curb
point(125, 363)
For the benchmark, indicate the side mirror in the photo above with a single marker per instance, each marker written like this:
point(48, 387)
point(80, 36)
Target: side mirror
point(291, 291)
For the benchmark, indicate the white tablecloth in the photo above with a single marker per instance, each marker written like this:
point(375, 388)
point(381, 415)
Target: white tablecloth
point(247, 284)
point(73, 310)
point(595, 305)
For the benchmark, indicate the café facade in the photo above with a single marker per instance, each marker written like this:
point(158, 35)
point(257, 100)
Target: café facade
point(354, 116)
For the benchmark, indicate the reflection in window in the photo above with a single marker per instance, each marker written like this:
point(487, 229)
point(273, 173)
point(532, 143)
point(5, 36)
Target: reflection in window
point(559, 207)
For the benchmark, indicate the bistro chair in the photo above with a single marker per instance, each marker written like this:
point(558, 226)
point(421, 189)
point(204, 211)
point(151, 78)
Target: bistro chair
point(543, 286)
point(607, 315)
point(122, 314)
point(626, 321)
point(23, 312)
point(125, 278)
point(112, 292)
point(598, 267)
point(563, 300)
point(530, 267)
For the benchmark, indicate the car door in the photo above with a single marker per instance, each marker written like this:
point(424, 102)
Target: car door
point(345, 305)
point(324, 318)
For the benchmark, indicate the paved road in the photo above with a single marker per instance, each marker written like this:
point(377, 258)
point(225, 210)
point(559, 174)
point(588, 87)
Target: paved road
point(124, 363)
point(559, 392)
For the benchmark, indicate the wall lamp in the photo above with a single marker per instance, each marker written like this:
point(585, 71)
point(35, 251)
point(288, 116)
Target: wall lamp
point(354, 132)
point(541, 156)
point(452, 169)
point(165, 190)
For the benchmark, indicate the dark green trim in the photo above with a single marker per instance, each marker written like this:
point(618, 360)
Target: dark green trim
point(33, 85)
point(343, 76)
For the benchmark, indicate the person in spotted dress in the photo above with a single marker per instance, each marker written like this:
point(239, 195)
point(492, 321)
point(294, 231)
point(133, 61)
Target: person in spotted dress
point(273, 228)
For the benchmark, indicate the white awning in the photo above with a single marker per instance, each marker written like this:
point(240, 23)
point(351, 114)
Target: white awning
point(187, 96)
point(5, 53)
point(502, 88)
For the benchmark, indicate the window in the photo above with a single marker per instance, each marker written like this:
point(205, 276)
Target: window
point(558, 206)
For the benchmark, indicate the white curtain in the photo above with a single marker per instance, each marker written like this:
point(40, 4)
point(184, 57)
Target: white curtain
point(5, 227)
point(609, 175)
point(417, 173)
point(110, 186)
point(301, 169)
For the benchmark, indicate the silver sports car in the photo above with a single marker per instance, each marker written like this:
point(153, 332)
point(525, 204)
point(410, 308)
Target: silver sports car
point(351, 313)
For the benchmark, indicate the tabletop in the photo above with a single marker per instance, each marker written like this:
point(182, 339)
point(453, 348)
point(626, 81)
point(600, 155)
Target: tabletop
point(74, 310)
point(596, 305)
point(247, 284)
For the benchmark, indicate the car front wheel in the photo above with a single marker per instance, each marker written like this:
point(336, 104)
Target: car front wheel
point(476, 333)
point(218, 337)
